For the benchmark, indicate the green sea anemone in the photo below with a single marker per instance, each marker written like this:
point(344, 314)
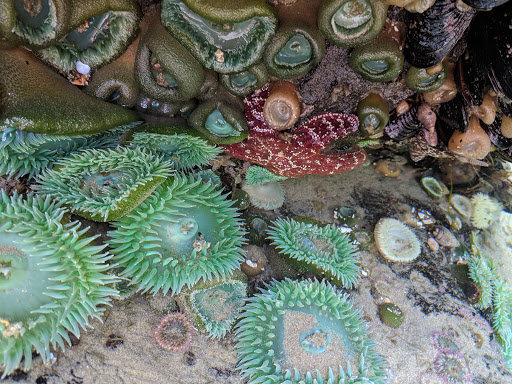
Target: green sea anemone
point(24, 153)
point(373, 114)
point(305, 332)
point(350, 23)
point(380, 60)
point(423, 80)
point(102, 30)
point(179, 145)
point(258, 175)
point(164, 69)
point(36, 24)
point(268, 195)
point(396, 241)
point(483, 272)
point(50, 105)
point(184, 232)
point(51, 275)
point(214, 305)
point(225, 36)
point(219, 122)
point(245, 82)
point(324, 251)
point(485, 210)
point(104, 184)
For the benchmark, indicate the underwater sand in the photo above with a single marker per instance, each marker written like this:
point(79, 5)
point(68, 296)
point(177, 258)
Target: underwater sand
point(425, 290)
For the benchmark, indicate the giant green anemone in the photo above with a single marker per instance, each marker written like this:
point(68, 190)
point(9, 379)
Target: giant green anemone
point(51, 276)
point(324, 251)
point(224, 35)
point(305, 332)
point(184, 232)
point(26, 153)
point(34, 23)
point(104, 184)
point(179, 145)
point(102, 30)
point(214, 305)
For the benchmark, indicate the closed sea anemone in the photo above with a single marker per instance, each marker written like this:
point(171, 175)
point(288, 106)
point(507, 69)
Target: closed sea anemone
point(174, 332)
point(396, 241)
point(462, 205)
point(104, 184)
point(184, 232)
point(214, 305)
point(268, 195)
point(485, 210)
point(52, 276)
point(324, 251)
point(303, 331)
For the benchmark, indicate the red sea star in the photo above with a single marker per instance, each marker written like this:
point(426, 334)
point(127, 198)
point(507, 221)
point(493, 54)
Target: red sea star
point(299, 152)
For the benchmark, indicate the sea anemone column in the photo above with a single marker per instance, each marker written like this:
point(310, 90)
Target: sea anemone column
point(305, 332)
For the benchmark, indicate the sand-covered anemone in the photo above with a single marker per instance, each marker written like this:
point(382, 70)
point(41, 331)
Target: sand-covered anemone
point(34, 23)
point(184, 232)
point(324, 251)
point(396, 241)
point(50, 105)
point(53, 279)
point(214, 305)
point(305, 332)
point(225, 36)
point(179, 145)
point(101, 31)
point(104, 184)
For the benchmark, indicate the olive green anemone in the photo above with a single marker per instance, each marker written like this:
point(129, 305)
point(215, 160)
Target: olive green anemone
point(245, 82)
point(186, 231)
point(305, 332)
point(179, 145)
point(101, 31)
point(34, 23)
point(294, 50)
point(214, 305)
point(36, 99)
point(52, 279)
point(380, 60)
point(350, 23)
point(28, 154)
point(373, 114)
point(164, 69)
point(219, 122)
point(224, 35)
point(425, 80)
point(324, 251)
point(104, 184)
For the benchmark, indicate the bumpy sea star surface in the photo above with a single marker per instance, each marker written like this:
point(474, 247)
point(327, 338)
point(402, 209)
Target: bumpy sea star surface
point(299, 152)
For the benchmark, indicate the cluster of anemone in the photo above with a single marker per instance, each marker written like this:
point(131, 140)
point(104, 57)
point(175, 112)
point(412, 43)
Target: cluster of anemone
point(305, 332)
point(184, 232)
point(53, 276)
point(322, 250)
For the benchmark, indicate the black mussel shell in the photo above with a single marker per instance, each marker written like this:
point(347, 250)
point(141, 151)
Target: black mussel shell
point(484, 4)
point(452, 116)
point(494, 132)
point(403, 126)
point(431, 35)
point(500, 44)
point(505, 106)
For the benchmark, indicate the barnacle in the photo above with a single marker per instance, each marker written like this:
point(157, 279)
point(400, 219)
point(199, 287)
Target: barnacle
point(51, 275)
point(305, 332)
point(184, 232)
point(104, 184)
point(224, 36)
point(324, 251)
point(179, 145)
